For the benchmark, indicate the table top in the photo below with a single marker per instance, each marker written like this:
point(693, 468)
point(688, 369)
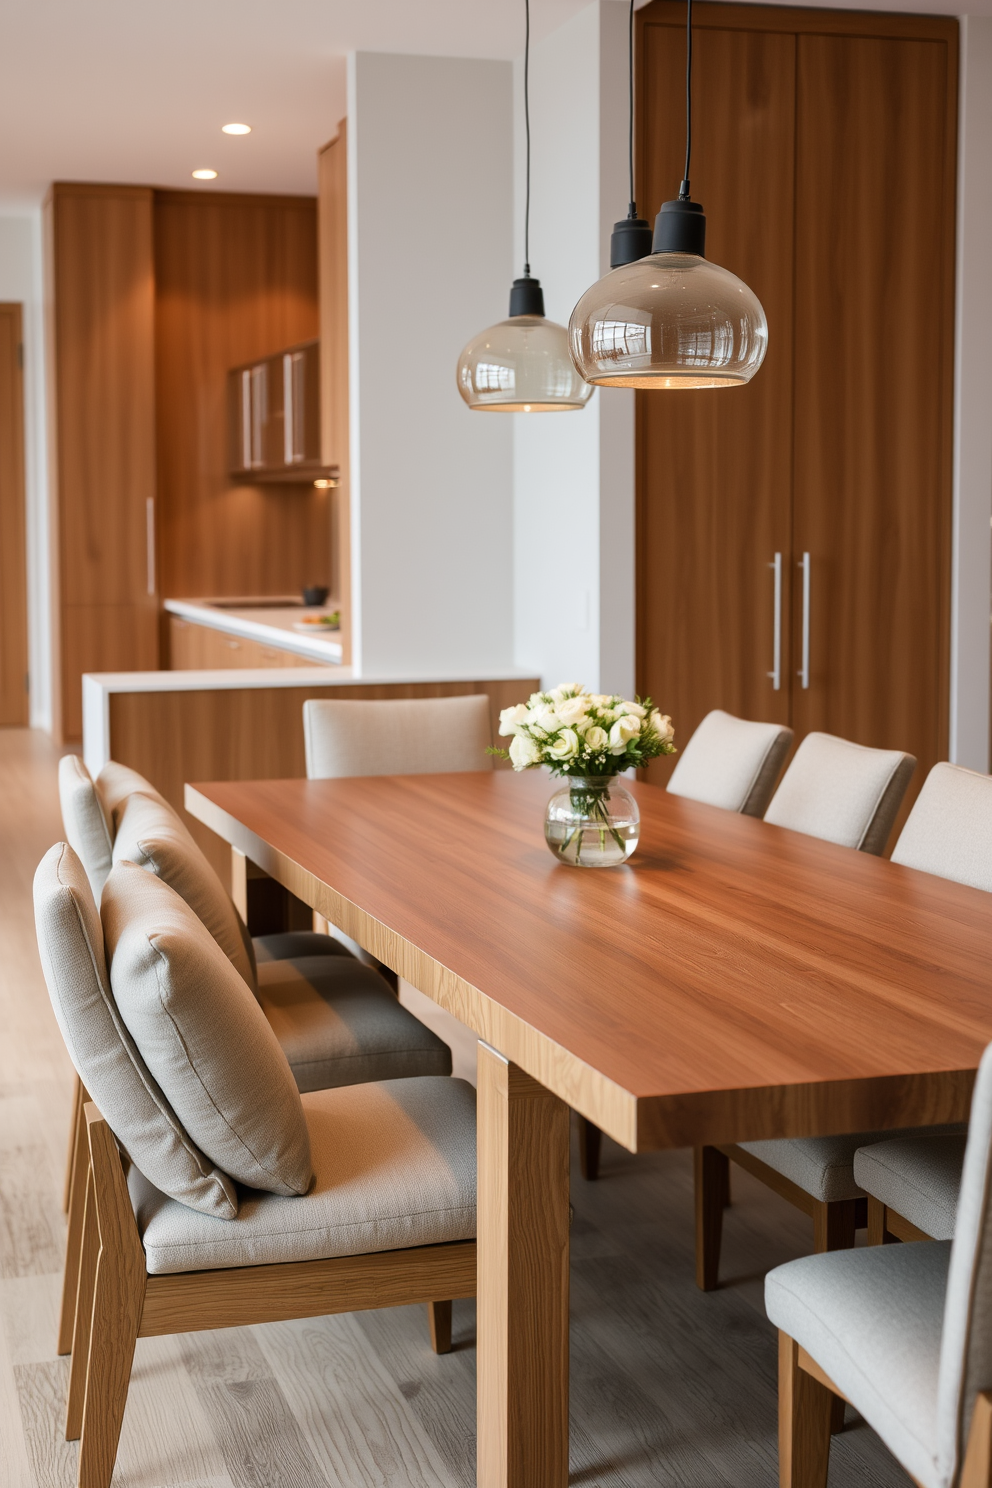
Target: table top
point(734, 980)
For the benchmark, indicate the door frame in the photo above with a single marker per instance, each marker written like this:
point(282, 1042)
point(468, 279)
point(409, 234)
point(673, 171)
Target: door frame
point(14, 678)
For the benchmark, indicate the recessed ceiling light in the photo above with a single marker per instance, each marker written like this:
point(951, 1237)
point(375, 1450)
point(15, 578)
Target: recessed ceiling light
point(236, 128)
point(205, 175)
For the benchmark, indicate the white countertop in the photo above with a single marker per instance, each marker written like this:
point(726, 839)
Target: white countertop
point(270, 624)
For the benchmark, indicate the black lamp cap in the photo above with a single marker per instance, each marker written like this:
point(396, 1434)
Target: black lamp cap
point(526, 297)
point(680, 227)
point(631, 240)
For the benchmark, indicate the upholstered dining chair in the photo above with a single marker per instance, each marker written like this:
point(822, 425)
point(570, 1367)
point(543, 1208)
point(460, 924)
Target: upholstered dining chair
point(396, 736)
point(912, 1183)
point(843, 793)
point(731, 762)
point(216, 1194)
point(902, 1333)
point(337, 1021)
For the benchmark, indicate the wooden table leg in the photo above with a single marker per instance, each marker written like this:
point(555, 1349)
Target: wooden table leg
point(523, 1279)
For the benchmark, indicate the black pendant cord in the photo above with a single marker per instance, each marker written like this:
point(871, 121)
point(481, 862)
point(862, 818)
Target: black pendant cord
point(632, 209)
point(684, 188)
point(527, 133)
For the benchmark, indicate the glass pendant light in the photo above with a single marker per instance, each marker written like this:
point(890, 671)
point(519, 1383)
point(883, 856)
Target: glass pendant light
point(672, 319)
point(522, 365)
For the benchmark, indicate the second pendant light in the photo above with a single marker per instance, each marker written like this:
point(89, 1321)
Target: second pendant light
point(522, 365)
point(671, 319)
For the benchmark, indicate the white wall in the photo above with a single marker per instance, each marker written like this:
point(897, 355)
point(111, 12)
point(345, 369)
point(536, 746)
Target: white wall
point(430, 259)
point(574, 472)
point(21, 280)
point(972, 552)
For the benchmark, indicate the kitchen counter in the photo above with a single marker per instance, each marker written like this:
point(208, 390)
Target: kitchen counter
point(269, 622)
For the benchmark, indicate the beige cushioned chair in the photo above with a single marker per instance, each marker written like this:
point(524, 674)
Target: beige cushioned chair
point(732, 763)
point(900, 1331)
point(849, 795)
point(913, 1183)
point(396, 736)
point(842, 792)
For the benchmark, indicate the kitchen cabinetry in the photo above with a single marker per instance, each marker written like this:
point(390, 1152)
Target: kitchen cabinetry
point(199, 647)
point(794, 535)
point(100, 311)
point(274, 418)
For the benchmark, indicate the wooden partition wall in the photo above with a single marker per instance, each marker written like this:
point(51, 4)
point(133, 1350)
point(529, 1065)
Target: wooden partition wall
point(824, 154)
point(152, 297)
point(13, 557)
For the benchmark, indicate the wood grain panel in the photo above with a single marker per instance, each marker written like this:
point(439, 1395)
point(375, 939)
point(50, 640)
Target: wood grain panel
point(236, 280)
point(13, 561)
point(332, 221)
point(247, 734)
point(734, 981)
point(201, 647)
point(714, 468)
point(101, 303)
point(874, 373)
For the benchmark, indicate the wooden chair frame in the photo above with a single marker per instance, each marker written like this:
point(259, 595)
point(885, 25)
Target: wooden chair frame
point(118, 1302)
point(806, 1397)
point(73, 1203)
point(886, 1226)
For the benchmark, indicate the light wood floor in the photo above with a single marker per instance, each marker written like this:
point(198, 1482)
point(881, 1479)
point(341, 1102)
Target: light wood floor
point(669, 1387)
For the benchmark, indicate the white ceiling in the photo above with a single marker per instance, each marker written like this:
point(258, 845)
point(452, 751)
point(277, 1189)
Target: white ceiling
point(135, 91)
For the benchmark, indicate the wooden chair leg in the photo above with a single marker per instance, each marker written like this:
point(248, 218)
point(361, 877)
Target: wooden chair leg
point(876, 1221)
point(590, 1144)
point(89, 1253)
point(118, 1297)
point(977, 1470)
point(77, 1177)
point(804, 1414)
point(712, 1185)
point(439, 1315)
point(834, 1228)
point(77, 1130)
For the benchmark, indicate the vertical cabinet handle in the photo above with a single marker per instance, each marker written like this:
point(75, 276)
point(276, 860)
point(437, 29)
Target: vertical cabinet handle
point(776, 671)
point(150, 543)
point(803, 673)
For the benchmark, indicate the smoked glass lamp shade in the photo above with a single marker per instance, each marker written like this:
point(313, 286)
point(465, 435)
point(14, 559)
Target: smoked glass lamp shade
point(670, 320)
point(521, 365)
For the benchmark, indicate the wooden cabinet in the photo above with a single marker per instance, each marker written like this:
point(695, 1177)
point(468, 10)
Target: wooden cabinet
point(274, 418)
point(101, 309)
point(332, 241)
point(200, 647)
point(13, 558)
point(824, 155)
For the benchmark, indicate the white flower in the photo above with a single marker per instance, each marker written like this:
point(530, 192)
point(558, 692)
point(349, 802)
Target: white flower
point(511, 718)
point(572, 710)
point(661, 723)
point(635, 710)
point(565, 690)
point(524, 752)
point(626, 728)
point(596, 739)
point(545, 720)
point(566, 746)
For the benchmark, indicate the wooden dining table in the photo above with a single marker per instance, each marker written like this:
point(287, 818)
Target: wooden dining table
point(732, 981)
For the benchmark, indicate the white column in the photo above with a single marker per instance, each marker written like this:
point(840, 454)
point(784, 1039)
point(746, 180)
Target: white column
point(972, 542)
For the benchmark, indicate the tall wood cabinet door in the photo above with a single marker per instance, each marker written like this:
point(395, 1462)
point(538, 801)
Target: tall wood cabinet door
point(714, 467)
point(874, 349)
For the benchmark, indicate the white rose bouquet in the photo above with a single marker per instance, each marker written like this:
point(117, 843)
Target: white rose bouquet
point(579, 733)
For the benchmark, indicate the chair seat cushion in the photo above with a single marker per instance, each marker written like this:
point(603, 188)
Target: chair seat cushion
point(824, 1166)
point(918, 1177)
point(338, 1023)
point(286, 944)
point(872, 1320)
point(394, 1167)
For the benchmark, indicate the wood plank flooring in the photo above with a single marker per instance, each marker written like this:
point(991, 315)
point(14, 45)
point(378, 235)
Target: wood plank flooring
point(670, 1388)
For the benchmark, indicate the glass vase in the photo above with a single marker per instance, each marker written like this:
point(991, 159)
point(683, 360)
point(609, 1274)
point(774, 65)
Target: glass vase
point(592, 822)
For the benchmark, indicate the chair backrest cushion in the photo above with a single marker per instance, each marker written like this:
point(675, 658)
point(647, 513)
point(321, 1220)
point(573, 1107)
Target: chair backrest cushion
point(396, 736)
point(949, 830)
point(966, 1342)
point(151, 834)
point(70, 941)
point(731, 762)
point(116, 782)
point(842, 792)
point(87, 826)
point(203, 1035)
